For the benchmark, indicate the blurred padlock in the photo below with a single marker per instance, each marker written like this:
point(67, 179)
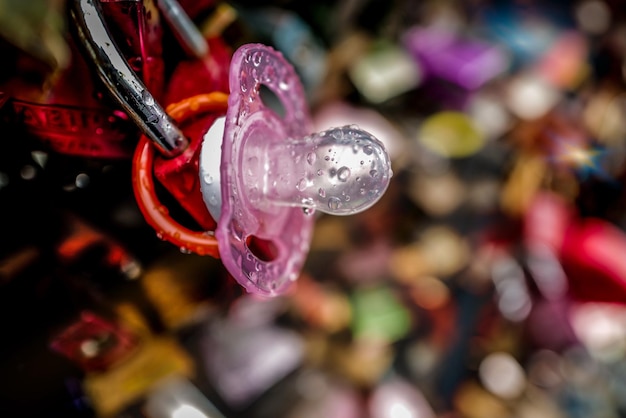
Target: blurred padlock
point(65, 106)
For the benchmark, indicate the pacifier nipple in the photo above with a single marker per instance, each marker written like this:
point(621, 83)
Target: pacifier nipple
point(340, 171)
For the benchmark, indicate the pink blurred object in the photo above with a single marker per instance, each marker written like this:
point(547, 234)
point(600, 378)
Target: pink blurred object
point(591, 251)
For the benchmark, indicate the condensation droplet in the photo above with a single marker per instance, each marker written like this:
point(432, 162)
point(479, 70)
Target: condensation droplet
point(310, 158)
point(147, 98)
point(343, 174)
point(373, 173)
point(308, 211)
point(322, 192)
point(320, 172)
point(302, 184)
point(367, 149)
point(208, 179)
point(334, 203)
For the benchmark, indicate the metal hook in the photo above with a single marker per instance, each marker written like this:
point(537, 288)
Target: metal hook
point(122, 82)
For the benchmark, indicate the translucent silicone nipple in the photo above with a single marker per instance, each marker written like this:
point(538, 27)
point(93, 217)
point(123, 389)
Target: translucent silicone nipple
point(340, 171)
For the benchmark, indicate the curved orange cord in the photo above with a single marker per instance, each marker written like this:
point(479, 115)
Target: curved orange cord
point(153, 211)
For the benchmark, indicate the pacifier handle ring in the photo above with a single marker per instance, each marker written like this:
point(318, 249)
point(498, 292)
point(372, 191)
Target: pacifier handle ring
point(154, 212)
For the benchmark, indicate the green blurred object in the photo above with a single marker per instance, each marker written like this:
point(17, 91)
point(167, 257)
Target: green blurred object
point(379, 315)
point(37, 27)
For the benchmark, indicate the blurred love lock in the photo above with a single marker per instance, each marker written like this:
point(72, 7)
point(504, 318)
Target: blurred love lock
point(589, 249)
point(82, 121)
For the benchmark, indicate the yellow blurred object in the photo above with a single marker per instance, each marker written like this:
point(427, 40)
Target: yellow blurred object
point(440, 251)
point(605, 117)
point(37, 27)
point(219, 20)
point(363, 362)
point(472, 401)
point(156, 360)
point(451, 134)
point(445, 250)
point(175, 285)
point(523, 183)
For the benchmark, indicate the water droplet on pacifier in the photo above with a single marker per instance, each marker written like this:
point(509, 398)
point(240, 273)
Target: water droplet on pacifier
point(343, 174)
point(302, 184)
point(340, 183)
point(334, 203)
point(257, 57)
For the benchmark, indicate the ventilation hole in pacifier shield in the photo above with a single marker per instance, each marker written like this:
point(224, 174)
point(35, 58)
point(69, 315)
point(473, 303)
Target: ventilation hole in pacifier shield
point(264, 250)
point(272, 101)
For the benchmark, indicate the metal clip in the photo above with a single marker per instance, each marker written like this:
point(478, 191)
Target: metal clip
point(125, 87)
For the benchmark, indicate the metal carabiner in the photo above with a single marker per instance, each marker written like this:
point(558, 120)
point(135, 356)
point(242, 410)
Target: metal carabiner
point(125, 87)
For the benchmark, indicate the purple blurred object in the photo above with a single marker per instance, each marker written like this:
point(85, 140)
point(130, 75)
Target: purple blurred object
point(242, 362)
point(466, 63)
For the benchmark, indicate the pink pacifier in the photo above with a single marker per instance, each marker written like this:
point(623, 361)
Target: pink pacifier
point(272, 174)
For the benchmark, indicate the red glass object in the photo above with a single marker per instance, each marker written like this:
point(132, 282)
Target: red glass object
point(179, 176)
point(81, 237)
point(197, 76)
point(590, 250)
point(593, 256)
point(195, 8)
point(94, 343)
point(74, 116)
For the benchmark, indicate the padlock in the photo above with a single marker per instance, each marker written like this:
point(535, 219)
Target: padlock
point(72, 115)
point(270, 175)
